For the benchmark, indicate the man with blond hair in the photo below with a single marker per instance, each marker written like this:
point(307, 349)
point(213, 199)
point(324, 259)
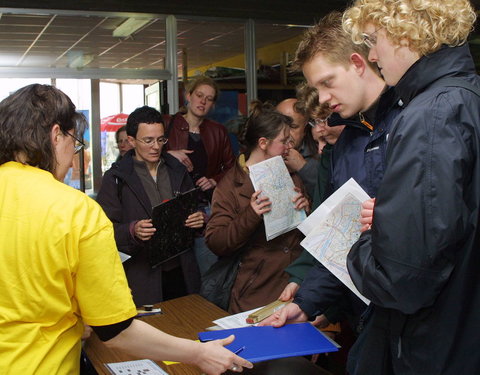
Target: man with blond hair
point(351, 87)
point(418, 263)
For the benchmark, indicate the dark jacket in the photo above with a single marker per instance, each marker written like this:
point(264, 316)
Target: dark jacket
point(419, 263)
point(261, 277)
point(215, 140)
point(358, 153)
point(124, 200)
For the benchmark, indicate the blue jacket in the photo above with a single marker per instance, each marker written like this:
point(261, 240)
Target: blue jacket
point(358, 153)
point(419, 265)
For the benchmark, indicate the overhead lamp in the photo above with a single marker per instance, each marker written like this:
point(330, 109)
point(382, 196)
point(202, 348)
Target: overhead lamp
point(129, 26)
point(79, 60)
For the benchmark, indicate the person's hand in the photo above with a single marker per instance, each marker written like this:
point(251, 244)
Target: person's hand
point(195, 220)
point(260, 204)
point(214, 359)
point(144, 229)
point(366, 214)
point(300, 201)
point(206, 183)
point(289, 292)
point(321, 144)
point(321, 321)
point(294, 160)
point(87, 331)
point(290, 313)
point(182, 156)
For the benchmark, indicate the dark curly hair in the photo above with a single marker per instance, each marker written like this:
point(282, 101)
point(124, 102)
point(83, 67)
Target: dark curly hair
point(26, 120)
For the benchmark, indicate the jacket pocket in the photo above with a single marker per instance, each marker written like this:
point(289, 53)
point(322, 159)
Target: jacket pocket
point(252, 278)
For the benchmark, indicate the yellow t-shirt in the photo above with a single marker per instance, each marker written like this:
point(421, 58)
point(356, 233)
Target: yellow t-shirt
point(59, 267)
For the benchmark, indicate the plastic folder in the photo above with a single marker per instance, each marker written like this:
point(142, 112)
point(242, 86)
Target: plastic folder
point(258, 344)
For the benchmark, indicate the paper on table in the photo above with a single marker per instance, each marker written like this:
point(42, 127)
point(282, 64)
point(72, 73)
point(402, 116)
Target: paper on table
point(235, 321)
point(135, 367)
point(333, 228)
point(272, 177)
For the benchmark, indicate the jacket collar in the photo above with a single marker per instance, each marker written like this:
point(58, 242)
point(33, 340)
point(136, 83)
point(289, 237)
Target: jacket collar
point(447, 61)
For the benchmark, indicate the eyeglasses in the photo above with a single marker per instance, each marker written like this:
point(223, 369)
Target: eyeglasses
point(152, 141)
point(201, 95)
point(78, 143)
point(318, 121)
point(370, 40)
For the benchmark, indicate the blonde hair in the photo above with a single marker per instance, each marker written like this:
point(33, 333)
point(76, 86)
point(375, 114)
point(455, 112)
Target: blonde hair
point(328, 38)
point(199, 81)
point(425, 24)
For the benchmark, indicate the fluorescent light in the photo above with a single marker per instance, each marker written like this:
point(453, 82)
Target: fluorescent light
point(80, 61)
point(130, 26)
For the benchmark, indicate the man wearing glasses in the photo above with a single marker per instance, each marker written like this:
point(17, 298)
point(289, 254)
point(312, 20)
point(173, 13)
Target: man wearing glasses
point(144, 178)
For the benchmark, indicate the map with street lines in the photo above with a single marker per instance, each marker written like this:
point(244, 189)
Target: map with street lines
point(331, 239)
point(272, 177)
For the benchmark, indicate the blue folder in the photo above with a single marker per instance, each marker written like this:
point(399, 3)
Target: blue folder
point(258, 344)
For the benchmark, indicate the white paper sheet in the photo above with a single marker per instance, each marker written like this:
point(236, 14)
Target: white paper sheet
point(142, 366)
point(235, 321)
point(333, 228)
point(272, 177)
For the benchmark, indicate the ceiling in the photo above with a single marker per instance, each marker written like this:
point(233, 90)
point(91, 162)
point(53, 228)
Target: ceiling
point(50, 39)
point(60, 41)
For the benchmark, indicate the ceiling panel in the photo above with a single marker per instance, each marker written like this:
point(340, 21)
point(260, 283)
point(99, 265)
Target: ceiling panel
point(60, 41)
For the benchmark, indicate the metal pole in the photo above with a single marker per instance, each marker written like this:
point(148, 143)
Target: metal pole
point(95, 136)
point(171, 63)
point(250, 61)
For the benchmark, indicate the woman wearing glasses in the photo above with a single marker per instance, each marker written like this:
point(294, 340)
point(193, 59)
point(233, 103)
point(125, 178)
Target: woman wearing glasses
point(59, 263)
point(144, 178)
point(203, 146)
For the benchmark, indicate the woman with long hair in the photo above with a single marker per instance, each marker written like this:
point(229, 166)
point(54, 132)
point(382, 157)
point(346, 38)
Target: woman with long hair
point(203, 146)
point(237, 224)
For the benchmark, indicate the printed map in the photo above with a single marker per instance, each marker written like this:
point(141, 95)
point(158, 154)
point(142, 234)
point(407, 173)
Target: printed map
point(272, 177)
point(332, 239)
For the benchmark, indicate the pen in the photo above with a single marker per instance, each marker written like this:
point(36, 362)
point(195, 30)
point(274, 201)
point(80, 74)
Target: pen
point(239, 350)
point(148, 313)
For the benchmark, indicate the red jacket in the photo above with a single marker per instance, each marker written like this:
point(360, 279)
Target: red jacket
point(215, 140)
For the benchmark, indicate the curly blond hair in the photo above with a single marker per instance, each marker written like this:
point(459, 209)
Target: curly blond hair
point(425, 24)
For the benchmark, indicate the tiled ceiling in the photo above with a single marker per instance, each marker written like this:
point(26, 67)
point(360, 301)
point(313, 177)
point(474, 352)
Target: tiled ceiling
point(55, 41)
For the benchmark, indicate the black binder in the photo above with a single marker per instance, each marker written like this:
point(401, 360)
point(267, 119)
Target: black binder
point(172, 237)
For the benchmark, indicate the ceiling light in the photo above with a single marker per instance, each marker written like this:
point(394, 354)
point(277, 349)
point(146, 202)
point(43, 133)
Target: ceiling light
point(80, 60)
point(130, 26)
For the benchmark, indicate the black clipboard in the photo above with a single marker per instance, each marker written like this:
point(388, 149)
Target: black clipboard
point(172, 237)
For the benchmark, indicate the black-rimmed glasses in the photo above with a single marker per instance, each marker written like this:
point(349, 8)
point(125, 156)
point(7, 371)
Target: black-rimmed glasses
point(78, 143)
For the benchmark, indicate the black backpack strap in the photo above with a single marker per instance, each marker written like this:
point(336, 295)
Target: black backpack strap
point(456, 82)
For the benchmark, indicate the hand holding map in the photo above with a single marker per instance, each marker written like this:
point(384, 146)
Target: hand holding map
point(333, 228)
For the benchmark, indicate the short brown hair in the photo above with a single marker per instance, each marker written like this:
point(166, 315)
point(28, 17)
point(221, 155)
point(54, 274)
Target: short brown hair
point(308, 103)
point(202, 80)
point(329, 38)
point(26, 119)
